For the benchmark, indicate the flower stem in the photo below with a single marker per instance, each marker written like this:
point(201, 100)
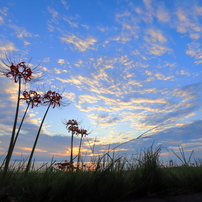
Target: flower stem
point(16, 136)
point(34, 146)
point(79, 153)
point(71, 155)
point(10, 150)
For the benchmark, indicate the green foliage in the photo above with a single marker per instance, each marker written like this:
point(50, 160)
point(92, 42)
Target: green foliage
point(112, 178)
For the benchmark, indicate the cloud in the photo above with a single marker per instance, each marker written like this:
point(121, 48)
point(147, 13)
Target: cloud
point(183, 72)
point(191, 91)
point(88, 99)
point(70, 96)
point(198, 10)
point(187, 22)
point(27, 43)
point(79, 44)
point(30, 149)
point(3, 11)
point(148, 15)
point(122, 39)
point(147, 100)
point(162, 15)
point(47, 59)
point(154, 40)
point(155, 49)
point(155, 36)
point(53, 12)
point(61, 61)
point(1, 20)
point(162, 77)
point(6, 46)
point(181, 16)
point(64, 3)
point(60, 71)
point(194, 36)
point(71, 23)
point(195, 50)
point(22, 32)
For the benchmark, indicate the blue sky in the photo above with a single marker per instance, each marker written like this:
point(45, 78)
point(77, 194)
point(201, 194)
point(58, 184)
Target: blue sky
point(126, 66)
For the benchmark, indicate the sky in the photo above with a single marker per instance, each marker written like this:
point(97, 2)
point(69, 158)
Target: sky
point(125, 67)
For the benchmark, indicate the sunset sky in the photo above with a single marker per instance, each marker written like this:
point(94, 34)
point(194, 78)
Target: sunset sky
point(126, 66)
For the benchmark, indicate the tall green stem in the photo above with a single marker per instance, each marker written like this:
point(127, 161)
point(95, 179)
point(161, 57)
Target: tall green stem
point(10, 150)
point(79, 153)
point(16, 136)
point(34, 146)
point(71, 153)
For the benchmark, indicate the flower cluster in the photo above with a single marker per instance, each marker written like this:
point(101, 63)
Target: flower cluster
point(62, 166)
point(21, 70)
point(82, 132)
point(32, 97)
point(52, 98)
point(72, 125)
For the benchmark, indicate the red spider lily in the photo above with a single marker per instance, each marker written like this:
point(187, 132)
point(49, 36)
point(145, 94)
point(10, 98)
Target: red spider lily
point(74, 129)
point(20, 70)
point(32, 97)
point(52, 98)
point(72, 125)
point(72, 122)
point(63, 166)
point(82, 132)
point(49, 98)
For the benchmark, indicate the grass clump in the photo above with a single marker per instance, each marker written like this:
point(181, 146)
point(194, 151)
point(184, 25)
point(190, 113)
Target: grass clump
point(113, 178)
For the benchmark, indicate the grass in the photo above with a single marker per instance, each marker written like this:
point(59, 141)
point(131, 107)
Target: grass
point(114, 178)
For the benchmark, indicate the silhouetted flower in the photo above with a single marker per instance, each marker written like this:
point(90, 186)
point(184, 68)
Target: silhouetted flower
point(32, 97)
point(63, 166)
point(20, 70)
point(74, 129)
point(72, 125)
point(52, 98)
point(82, 132)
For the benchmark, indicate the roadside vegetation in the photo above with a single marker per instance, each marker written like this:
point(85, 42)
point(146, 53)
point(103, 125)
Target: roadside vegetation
point(111, 178)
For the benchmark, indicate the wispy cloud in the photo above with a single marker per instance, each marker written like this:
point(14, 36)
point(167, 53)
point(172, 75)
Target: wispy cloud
point(1, 20)
point(22, 32)
point(71, 23)
point(195, 50)
point(162, 14)
point(53, 12)
point(65, 4)
point(155, 36)
point(6, 46)
point(60, 71)
point(30, 149)
point(79, 44)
